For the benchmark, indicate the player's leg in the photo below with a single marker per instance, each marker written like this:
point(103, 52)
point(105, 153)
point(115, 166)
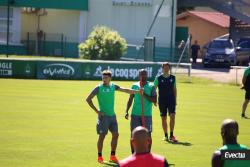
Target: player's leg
point(163, 113)
point(134, 122)
point(102, 130)
point(99, 147)
point(244, 106)
point(171, 109)
point(113, 127)
point(149, 126)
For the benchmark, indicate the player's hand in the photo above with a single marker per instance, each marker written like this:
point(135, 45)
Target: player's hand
point(155, 104)
point(100, 114)
point(126, 116)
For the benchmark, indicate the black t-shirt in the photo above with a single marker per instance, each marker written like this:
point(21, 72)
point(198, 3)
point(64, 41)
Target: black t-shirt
point(195, 48)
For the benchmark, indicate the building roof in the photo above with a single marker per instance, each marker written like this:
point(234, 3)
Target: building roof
point(214, 17)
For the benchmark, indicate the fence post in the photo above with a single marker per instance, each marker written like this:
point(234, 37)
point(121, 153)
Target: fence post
point(44, 43)
point(189, 73)
point(62, 46)
point(28, 43)
point(65, 47)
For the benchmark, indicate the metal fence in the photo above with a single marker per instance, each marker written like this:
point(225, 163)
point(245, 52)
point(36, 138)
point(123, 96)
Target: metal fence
point(136, 52)
point(48, 44)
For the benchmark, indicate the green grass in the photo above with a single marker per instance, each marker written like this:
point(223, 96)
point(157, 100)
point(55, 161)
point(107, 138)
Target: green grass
point(48, 123)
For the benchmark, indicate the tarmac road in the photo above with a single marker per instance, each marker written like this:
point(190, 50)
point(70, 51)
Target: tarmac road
point(225, 75)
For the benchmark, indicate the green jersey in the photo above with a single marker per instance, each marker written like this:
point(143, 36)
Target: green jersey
point(149, 90)
point(235, 163)
point(247, 72)
point(106, 98)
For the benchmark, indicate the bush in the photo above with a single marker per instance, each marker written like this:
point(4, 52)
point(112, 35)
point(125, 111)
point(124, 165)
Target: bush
point(103, 44)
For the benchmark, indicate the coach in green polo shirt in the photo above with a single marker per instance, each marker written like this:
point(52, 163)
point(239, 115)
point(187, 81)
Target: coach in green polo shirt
point(105, 93)
point(149, 97)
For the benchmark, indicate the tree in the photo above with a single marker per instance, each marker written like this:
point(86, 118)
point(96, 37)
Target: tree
point(103, 44)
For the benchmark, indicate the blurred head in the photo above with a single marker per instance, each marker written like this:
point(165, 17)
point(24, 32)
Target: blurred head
point(143, 75)
point(140, 140)
point(165, 68)
point(106, 77)
point(195, 41)
point(229, 131)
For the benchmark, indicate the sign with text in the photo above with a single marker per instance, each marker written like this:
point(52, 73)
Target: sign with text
point(17, 69)
point(119, 71)
point(58, 70)
point(132, 2)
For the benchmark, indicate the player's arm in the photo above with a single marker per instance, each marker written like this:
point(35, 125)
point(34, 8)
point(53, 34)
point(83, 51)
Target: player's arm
point(153, 97)
point(175, 91)
point(244, 80)
point(216, 159)
point(156, 86)
point(175, 95)
point(90, 102)
point(156, 82)
point(129, 103)
point(126, 90)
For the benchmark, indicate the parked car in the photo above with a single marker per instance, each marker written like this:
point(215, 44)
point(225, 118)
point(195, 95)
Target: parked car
point(243, 51)
point(220, 52)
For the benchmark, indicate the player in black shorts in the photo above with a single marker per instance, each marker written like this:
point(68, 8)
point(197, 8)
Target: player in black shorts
point(166, 84)
point(246, 86)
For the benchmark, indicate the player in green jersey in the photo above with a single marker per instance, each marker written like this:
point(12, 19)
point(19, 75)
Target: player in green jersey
point(149, 97)
point(246, 86)
point(105, 93)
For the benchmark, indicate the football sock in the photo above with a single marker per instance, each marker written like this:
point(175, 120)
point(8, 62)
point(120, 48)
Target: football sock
point(171, 134)
point(99, 154)
point(112, 152)
point(166, 135)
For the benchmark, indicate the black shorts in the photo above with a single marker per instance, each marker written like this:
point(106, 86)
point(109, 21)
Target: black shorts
point(167, 107)
point(247, 94)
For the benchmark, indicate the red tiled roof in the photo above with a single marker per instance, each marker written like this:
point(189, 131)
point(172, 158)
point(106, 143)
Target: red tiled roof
point(214, 17)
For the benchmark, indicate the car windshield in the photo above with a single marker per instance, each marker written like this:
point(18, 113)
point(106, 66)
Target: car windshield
point(221, 44)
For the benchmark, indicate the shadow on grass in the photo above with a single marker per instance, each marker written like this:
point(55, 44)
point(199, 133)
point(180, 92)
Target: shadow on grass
point(110, 164)
point(180, 143)
point(116, 165)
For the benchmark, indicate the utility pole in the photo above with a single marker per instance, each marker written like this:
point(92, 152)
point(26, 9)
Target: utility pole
point(8, 27)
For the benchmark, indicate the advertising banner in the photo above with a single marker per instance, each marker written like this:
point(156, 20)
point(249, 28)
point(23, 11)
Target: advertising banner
point(120, 71)
point(17, 69)
point(58, 70)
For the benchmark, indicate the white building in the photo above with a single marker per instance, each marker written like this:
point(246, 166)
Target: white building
point(50, 28)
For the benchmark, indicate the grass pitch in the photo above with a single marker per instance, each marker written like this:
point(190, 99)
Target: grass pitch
point(48, 123)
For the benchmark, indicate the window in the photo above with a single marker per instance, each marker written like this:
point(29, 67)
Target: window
point(244, 44)
point(4, 24)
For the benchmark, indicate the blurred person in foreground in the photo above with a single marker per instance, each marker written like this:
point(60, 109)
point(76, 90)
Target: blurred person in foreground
point(142, 157)
point(229, 133)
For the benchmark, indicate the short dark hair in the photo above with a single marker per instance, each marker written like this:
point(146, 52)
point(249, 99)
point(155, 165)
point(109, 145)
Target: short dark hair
point(142, 70)
point(107, 72)
point(165, 64)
